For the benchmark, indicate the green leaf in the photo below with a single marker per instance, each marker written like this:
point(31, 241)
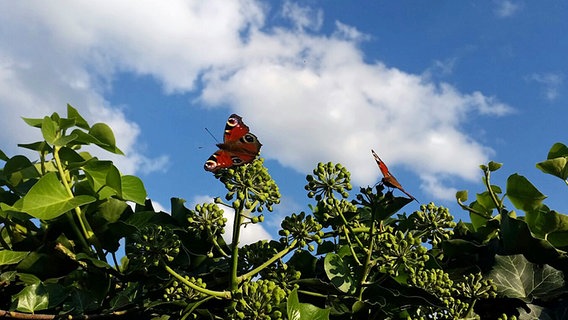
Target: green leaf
point(494, 166)
point(32, 298)
point(133, 189)
point(339, 273)
point(515, 277)
point(33, 122)
point(48, 199)
point(40, 146)
point(11, 257)
point(558, 150)
point(98, 172)
point(63, 141)
point(523, 194)
point(300, 311)
point(103, 133)
point(3, 156)
point(557, 167)
point(49, 130)
point(80, 122)
point(112, 209)
point(19, 169)
point(461, 196)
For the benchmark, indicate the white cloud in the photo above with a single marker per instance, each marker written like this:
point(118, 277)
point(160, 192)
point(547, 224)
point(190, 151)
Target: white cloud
point(506, 8)
point(308, 97)
point(550, 81)
point(302, 17)
point(251, 233)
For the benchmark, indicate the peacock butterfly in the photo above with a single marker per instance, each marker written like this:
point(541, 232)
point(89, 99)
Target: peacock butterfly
point(239, 146)
point(388, 179)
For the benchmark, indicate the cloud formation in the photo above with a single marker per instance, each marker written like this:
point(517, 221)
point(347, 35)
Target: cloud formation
point(309, 96)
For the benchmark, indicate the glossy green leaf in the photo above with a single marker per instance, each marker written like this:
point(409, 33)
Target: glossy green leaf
point(32, 298)
point(11, 257)
point(80, 122)
point(494, 166)
point(48, 199)
point(558, 150)
point(19, 169)
point(112, 209)
point(49, 130)
point(34, 122)
point(557, 167)
point(103, 133)
point(339, 273)
point(515, 277)
point(523, 194)
point(133, 189)
point(63, 141)
point(301, 311)
point(40, 146)
point(461, 196)
point(98, 174)
point(3, 156)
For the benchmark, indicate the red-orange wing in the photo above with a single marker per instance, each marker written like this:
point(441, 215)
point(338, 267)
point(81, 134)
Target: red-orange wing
point(239, 146)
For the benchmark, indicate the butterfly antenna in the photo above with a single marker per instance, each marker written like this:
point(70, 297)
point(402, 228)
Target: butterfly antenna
point(211, 135)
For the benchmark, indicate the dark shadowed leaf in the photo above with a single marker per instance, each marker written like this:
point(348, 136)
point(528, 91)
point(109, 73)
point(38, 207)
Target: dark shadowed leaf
point(301, 311)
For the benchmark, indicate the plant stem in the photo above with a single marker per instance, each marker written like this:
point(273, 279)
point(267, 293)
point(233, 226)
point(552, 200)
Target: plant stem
point(238, 220)
point(217, 294)
point(277, 256)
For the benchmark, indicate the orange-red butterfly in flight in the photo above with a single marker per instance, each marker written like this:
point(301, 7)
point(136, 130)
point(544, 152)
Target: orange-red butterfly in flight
point(388, 179)
point(239, 146)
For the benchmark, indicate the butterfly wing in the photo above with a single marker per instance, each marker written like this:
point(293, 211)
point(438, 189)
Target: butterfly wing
point(388, 179)
point(239, 146)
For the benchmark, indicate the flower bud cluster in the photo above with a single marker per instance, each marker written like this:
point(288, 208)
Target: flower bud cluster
point(400, 249)
point(435, 223)
point(151, 245)
point(303, 228)
point(250, 186)
point(255, 254)
point(475, 286)
point(259, 300)
point(178, 291)
point(327, 179)
point(207, 218)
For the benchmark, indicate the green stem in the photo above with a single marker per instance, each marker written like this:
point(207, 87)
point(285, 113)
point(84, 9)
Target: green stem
point(498, 204)
point(238, 220)
point(368, 254)
point(87, 230)
point(217, 294)
point(268, 262)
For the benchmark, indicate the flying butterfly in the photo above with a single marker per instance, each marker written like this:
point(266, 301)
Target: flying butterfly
point(388, 179)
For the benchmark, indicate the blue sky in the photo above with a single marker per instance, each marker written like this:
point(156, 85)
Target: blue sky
point(436, 88)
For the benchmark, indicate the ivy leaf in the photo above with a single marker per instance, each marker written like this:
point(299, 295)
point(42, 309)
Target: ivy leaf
point(558, 150)
point(516, 277)
point(48, 199)
point(103, 133)
point(80, 122)
point(557, 167)
point(133, 189)
point(49, 130)
point(11, 257)
point(523, 194)
point(32, 298)
point(299, 311)
point(339, 273)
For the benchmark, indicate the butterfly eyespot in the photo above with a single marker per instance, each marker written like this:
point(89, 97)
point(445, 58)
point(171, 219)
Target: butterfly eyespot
point(232, 121)
point(210, 165)
point(249, 137)
point(236, 161)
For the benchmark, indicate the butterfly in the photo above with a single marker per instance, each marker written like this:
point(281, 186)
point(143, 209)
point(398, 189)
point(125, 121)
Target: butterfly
point(388, 179)
point(239, 146)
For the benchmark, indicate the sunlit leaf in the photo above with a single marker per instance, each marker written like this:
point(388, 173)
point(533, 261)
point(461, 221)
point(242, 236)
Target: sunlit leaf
point(11, 257)
point(523, 194)
point(48, 199)
point(49, 130)
point(32, 298)
point(133, 189)
point(301, 311)
point(558, 150)
point(339, 273)
point(557, 167)
point(515, 277)
point(80, 122)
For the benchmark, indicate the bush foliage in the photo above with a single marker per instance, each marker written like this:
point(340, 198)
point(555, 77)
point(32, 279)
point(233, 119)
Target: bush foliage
point(63, 219)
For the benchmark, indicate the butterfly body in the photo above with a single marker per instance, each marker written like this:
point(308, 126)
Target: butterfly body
point(239, 146)
point(388, 179)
